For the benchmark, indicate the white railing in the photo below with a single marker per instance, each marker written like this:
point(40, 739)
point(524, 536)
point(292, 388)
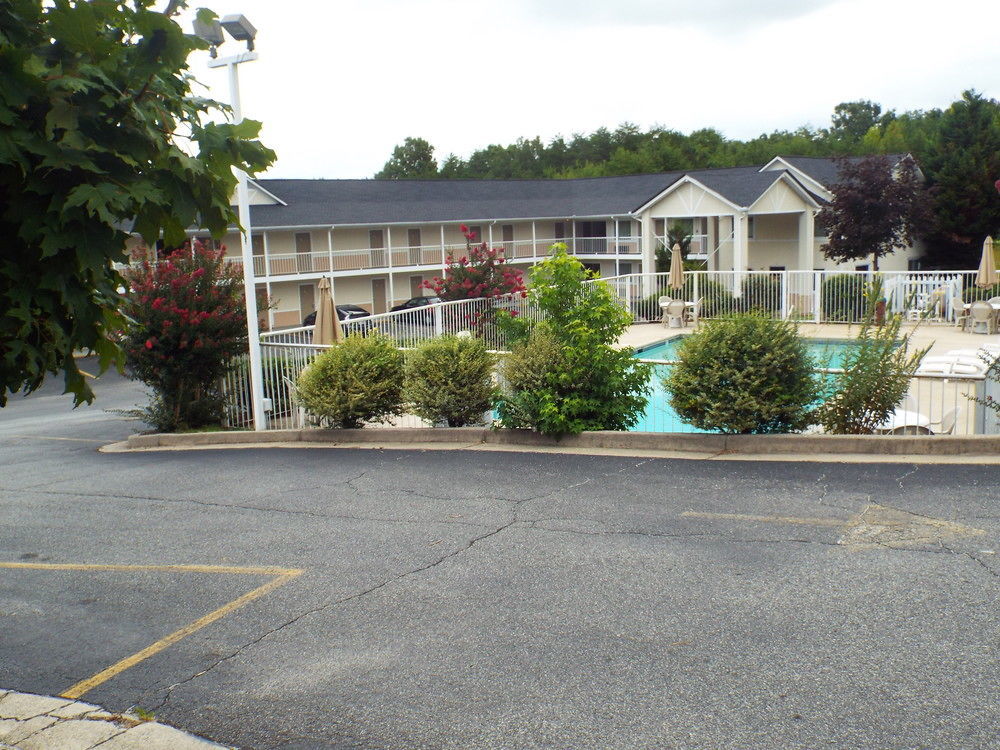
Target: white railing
point(816, 296)
point(326, 261)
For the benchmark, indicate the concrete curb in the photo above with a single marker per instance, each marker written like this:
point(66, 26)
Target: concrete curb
point(742, 445)
point(36, 722)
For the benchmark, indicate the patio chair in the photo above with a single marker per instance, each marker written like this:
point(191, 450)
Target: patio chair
point(300, 412)
point(948, 422)
point(675, 312)
point(694, 312)
point(663, 302)
point(982, 316)
point(961, 314)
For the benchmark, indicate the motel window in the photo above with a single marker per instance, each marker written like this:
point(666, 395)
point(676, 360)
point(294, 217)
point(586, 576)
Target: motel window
point(376, 239)
point(476, 232)
point(257, 244)
point(751, 225)
point(507, 232)
point(413, 237)
point(624, 268)
point(625, 228)
point(560, 230)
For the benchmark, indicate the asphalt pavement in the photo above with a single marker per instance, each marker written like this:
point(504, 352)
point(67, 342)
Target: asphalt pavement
point(334, 598)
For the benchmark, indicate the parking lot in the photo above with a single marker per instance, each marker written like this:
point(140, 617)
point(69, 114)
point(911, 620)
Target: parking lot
point(313, 598)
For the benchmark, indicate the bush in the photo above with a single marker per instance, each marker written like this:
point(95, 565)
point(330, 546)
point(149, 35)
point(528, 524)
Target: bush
point(524, 372)
point(590, 385)
point(842, 297)
point(188, 323)
point(450, 379)
point(744, 374)
point(761, 293)
point(356, 381)
point(877, 372)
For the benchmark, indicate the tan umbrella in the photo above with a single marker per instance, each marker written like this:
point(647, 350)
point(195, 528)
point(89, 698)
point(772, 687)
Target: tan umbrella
point(987, 275)
point(676, 268)
point(327, 329)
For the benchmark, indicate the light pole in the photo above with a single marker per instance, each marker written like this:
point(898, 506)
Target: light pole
point(241, 29)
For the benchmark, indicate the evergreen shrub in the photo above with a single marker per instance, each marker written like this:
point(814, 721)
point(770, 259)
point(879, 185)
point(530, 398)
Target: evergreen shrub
point(450, 379)
point(745, 374)
point(356, 381)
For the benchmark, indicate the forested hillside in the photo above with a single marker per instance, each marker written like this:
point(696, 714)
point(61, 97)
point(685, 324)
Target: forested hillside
point(957, 148)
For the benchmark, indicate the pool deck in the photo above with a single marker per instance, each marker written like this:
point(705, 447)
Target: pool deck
point(940, 337)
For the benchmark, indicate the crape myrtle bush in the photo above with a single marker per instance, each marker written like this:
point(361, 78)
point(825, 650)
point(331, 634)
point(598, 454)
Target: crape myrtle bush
point(842, 297)
point(450, 379)
point(356, 381)
point(745, 374)
point(187, 324)
point(481, 272)
point(590, 384)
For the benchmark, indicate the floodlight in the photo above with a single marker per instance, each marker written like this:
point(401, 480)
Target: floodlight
point(211, 32)
point(240, 28)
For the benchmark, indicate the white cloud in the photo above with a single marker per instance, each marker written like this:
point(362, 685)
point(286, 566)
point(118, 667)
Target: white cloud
point(338, 85)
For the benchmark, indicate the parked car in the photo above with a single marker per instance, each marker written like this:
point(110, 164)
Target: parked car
point(344, 312)
point(416, 302)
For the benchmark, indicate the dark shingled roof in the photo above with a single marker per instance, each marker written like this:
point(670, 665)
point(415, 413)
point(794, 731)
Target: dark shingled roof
point(352, 202)
point(824, 169)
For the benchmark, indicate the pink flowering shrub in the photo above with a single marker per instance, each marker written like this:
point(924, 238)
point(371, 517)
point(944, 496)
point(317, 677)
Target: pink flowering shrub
point(188, 323)
point(482, 272)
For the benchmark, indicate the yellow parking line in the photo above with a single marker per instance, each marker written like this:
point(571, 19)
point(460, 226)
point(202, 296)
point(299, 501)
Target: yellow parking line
point(258, 571)
point(284, 575)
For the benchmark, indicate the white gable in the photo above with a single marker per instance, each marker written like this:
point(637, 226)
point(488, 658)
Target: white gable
point(780, 198)
point(690, 199)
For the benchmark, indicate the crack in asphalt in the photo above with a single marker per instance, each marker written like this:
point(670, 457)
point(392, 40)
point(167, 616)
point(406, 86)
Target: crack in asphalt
point(516, 505)
point(264, 509)
point(899, 479)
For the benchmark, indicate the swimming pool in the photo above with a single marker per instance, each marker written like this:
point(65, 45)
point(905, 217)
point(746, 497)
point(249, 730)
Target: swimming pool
point(825, 352)
point(660, 417)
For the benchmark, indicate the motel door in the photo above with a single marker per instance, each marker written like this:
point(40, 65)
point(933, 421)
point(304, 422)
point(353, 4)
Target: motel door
point(378, 296)
point(307, 299)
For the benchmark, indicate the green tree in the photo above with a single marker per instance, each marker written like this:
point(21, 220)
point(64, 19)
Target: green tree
point(961, 167)
point(413, 159)
point(852, 120)
point(588, 383)
point(98, 128)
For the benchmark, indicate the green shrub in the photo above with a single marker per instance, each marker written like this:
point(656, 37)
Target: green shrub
point(590, 385)
point(761, 293)
point(842, 297)
point(450, 379)
point(877, 372)
point(524, 375)
point(359, 380)
point(744, 374)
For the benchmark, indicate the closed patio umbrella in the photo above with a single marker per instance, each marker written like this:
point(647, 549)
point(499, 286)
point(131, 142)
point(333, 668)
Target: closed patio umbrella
point(676, 268)
point(327, 329)
point(987, 275)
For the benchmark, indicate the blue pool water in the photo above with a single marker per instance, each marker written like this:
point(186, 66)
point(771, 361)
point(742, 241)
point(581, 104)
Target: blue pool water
point(660, 417)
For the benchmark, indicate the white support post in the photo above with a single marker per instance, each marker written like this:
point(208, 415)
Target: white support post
point(266, 258)
point(329, 248)
point(489, 233)
point(388, 260)
point(648, 244)
point(444, 263)
point(617, 259)
point(807, 229)
point(534, 241)
point(741, 261)
point(572, 225)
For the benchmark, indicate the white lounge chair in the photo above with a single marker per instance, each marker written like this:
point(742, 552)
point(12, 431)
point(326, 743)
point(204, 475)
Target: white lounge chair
point(694, 312)
point(948, 421)
point(961, 314)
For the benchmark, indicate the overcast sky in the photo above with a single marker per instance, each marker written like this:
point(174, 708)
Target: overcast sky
point(339, 84)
